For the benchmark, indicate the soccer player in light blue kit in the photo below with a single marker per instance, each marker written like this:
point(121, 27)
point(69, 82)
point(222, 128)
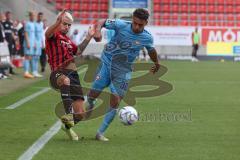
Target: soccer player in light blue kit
point(39, 44)
point(29, 44)
point(117, 59)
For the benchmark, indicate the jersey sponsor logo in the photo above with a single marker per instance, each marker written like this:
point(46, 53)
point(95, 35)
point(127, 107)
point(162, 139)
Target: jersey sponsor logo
point(110, 47)
point(125, 45)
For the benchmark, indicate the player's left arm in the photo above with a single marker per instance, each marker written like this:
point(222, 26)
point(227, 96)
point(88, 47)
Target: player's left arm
point(82, 46)
point(154, 57)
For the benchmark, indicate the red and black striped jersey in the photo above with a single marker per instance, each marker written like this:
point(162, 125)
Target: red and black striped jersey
point(60, 50)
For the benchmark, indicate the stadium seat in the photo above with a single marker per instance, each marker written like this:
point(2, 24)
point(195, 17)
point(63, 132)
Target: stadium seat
point(238, 17)
point(183, 1)
point(84, 14)
point(175, 8)
point(212, 17)
point(104, 7)
point(203, 17)
point(230, 17)
point(104, 15)
point(175, 2)
point(84, 21)
point(165, 23)
point(59, 6)
point(157, 8)
point(157, 2)
point(184, 16)
point(219, 9)
point(76, 14)
point(85, 7)
point(165, 1)
point(230, 9)
point(157, 15)
point(220, 2)
point(230, 2)
point(193, 2)
point(193, 17)
point(193, 23)
point(202, 2)
point(184, 8)
point(211, 2)
point(220, 17)
point(95, 15)
point(238, 9)
point(202, 9)
point(175, 17)
point(174, 23)
point(184, 23)
point(166, 8)
point(76, 6)
point(156, 22)
point(211, 9)
point(94, 7)
point(166, 16)
point(193, 8)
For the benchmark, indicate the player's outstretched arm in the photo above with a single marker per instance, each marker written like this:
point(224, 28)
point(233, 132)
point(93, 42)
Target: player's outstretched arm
point(53, 28)
point(98, 26)
point(153, 56)
point(83, 45)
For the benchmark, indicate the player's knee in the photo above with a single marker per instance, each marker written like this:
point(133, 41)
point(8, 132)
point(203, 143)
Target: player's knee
point(63, 80)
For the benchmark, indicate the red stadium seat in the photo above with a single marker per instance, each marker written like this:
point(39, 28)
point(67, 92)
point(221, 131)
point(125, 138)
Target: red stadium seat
point(184, 8)
point(193, 2)
point(184, 23)
point(202, 2)
point(84, 15)
point(157, 16)
point(157, 22)
point(193, 23)
point(174, 23)
point(94, 7)
point(230, 17)
point(184, 16)
point(203, 23)
point(85, 21)
point(175, 8)
point(193, 17)
point(212, 17)
point(157, 8)
point(76, 14)
point(230, 2)
point(175, 17)
point(76, 6)
point(183, 1)
point(238, 9)
point(238, 17)
point(85, 7)
point(230, 9)
point(165, 1)
point(104, 15)
point(94, 1)
point(211, 2)
point(95, 15)
point(221, 2)
point(219, 9)
point(166, 8)
point(165, 23)
point(203, 17)
point(59, 1)
point(104, 7)
point(193, 8)
point(211, 9)
point(175, 2)
point(157, 1)
point(220, 17)
point(166, 16)
point(202, 8)
point(237, 3)
point(229, 24)
point(59, 6)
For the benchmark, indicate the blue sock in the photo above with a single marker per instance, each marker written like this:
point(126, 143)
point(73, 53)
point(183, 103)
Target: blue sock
point(35, 64)
point(109, 116)
point(26, 65)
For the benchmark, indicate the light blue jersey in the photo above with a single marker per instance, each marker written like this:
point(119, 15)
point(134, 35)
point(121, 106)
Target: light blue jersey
point(39, 37)
point(124, 43)
point(118, 56)
point(30, 29)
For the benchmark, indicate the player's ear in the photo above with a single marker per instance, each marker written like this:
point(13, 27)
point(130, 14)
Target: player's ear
point(146, 22)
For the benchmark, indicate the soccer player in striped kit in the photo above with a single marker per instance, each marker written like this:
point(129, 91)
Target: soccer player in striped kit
point(61, 50)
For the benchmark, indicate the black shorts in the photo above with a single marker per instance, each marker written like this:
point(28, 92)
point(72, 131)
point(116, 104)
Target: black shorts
point(195, 46)
point(75, 88)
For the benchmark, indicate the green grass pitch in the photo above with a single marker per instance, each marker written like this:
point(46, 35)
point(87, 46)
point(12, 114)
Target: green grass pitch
point(208, 92)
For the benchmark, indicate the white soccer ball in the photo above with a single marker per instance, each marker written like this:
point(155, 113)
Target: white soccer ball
point(128, 115)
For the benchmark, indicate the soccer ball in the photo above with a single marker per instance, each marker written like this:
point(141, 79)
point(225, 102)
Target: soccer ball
point(128, 115)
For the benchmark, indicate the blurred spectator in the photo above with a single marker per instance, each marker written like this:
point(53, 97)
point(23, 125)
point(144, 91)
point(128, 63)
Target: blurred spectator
point(20, 29)
point(43, 57)
point(9, 36)
point(29, 44)
point(75, 37)
point(39, 44)
point(195, 44)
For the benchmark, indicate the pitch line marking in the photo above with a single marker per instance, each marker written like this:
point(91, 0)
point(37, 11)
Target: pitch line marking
point(39, 144)
point(26, 99)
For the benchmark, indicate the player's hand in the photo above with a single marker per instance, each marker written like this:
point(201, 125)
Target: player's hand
point(98, 36)
point(155, 68)
point(91, 32)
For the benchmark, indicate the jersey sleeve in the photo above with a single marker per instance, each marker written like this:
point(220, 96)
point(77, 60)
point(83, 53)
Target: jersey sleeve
point(149, 46)
point(114, 24)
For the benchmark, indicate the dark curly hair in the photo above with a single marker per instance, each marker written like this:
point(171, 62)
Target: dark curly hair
point(141, 14)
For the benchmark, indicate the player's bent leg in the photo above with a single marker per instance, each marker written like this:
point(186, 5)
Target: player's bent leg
point(109, 116)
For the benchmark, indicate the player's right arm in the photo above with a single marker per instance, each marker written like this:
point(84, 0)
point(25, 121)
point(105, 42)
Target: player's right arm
point(53, 28)
point(99, 26)
point(26, 37)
